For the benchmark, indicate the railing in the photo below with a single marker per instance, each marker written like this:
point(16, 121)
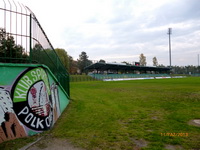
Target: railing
point(81, 78)
point(22, 40)
point(103, 77)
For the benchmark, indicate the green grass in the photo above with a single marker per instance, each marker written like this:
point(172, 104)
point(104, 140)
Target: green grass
point(131, 114)
point(112, 115)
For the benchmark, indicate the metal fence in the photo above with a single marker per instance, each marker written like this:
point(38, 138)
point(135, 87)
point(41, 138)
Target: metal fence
point(23, 40)
point(81, 78)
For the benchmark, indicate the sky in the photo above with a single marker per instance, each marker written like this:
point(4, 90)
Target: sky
point(120, 30)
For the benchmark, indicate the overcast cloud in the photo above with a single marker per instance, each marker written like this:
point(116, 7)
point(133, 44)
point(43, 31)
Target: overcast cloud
point(120, 30)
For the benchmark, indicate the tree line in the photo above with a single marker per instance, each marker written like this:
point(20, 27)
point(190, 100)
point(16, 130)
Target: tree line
point(77, 66)
point(9, 50)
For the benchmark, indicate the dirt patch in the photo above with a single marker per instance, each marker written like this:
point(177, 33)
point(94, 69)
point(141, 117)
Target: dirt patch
point(140, 143)
point(194, 96)
point(195, 122)
point(49, 143)
point(173, 147)
point(154, 118)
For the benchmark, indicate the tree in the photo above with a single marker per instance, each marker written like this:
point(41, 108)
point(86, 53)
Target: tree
point(83, 61)
point(102, 61)
point(127, 63)
point(142, 60)
point(64, 57)
point(190, 69)
point(9, 50)
point(38, 53)
point(155, 61)
point(72, 66)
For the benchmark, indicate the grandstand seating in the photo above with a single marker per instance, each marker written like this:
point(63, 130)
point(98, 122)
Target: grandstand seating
point(121, 76)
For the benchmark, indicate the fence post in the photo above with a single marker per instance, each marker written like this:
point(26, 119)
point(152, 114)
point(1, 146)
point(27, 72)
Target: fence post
point(30, 39)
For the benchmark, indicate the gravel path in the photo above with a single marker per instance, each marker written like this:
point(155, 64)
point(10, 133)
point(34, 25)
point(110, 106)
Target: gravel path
point(49, 143)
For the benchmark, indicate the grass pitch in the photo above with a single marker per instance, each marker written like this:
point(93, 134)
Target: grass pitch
point(147, 114)
point(142, 114)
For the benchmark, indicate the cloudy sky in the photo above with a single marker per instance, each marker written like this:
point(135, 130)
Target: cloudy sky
point(120, 30)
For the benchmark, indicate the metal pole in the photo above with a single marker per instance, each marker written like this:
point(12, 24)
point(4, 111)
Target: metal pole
point(10, 17)
point(169, 32)
point(198, 65)
point(16, 21)
point(30, 38)
point(4, 15)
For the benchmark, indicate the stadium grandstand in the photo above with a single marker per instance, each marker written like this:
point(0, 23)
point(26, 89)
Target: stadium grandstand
point(121, 71)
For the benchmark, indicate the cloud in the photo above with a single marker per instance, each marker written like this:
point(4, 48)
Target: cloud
point(117, 30)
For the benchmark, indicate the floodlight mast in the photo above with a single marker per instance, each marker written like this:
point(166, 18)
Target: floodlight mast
point(170, 32)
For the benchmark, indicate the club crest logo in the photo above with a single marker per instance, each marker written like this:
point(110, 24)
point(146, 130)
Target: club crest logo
point(32, 99)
